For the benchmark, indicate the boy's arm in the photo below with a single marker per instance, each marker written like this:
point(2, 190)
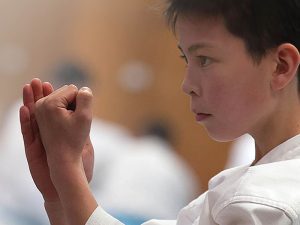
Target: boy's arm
point(73, 189)
point(243, 213)
point(64, 133)
point(36, 154)
point(55, 213)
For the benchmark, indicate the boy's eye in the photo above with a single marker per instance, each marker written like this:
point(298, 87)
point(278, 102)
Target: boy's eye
point(204, 60)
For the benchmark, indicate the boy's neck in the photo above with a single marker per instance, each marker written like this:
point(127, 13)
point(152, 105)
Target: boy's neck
point(280, 127)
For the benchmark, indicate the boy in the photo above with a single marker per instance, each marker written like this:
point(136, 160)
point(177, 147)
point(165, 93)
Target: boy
point(242, 60)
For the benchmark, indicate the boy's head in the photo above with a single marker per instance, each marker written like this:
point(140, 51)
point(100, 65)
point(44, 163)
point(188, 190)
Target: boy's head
point(242, 58)
point(261, 24)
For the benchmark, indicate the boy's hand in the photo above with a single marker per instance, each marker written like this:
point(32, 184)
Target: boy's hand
point(35, 152)
point(64, 132)
point(58, 203)
point(64, 120)
point(34, 149)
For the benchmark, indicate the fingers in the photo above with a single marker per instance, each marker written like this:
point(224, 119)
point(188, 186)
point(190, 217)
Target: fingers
point(64, 96)
point(28, 98)
point(88, 159)
point(26, 126)
point(34, 91)
point(47, 88)
point(37, 88)
point(84, 102)
point(31, 93)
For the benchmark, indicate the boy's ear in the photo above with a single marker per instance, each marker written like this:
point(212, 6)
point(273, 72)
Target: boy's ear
point(287, 63)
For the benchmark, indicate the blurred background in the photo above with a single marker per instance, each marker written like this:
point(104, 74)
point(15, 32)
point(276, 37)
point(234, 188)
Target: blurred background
point(128, 56)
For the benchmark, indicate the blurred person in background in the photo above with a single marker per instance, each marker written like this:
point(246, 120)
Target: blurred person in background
point(149, 180)
point(19, 203)
point(125, 167)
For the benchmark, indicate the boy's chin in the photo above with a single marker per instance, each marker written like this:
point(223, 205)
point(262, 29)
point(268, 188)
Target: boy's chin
point(223, 136)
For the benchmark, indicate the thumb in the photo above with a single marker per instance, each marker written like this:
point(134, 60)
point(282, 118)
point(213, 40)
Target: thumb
point(84, 100)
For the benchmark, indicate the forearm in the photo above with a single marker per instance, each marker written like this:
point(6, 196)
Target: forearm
point(55, 213)
point(74, 192)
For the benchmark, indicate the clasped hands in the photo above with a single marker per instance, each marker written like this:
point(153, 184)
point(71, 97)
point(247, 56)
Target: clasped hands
point(56, 138)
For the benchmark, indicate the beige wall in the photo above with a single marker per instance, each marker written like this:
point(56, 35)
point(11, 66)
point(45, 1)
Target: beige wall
point(105, 36)
point(32, 39)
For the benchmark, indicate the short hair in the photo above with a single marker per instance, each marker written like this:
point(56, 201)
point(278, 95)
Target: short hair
point(261, 24)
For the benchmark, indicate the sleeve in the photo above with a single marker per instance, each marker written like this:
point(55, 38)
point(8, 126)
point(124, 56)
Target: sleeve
point(160, 222)
point(100, 217)
point(242, 213)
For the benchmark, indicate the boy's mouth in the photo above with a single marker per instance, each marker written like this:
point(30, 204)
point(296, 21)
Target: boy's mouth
point(202, 116)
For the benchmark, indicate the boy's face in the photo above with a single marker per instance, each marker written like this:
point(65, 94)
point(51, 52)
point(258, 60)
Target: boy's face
point(230, 94)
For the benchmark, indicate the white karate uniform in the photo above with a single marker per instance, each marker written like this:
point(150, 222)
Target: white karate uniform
point(267, 193)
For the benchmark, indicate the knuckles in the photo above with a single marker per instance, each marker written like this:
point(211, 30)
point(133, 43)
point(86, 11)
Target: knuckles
point(49, 109)
point(45, 105)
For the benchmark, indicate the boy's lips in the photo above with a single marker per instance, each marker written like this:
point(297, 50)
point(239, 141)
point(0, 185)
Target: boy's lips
point(202, 116)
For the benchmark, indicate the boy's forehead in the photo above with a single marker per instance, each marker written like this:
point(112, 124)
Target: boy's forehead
point(207, 34)
point(200, 32)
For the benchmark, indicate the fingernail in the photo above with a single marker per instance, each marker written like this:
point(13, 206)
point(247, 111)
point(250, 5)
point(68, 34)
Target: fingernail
point(86, 89)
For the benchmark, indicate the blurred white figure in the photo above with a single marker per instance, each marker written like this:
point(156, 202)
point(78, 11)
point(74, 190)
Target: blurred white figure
point(242, 152)
point(22, 204)
point(143, 177)
point(148, 181)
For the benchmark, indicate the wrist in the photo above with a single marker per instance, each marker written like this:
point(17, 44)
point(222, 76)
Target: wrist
point(64, 173)
point(74, 192)
point(55, 212)
point(53, 206)
point(59, 155)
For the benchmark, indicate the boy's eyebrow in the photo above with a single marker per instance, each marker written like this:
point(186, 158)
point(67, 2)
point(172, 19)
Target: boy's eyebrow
point(195, 47)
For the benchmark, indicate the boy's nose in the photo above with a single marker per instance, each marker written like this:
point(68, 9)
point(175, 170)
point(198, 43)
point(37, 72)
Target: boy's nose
point(189, 87)
point(185, 87)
